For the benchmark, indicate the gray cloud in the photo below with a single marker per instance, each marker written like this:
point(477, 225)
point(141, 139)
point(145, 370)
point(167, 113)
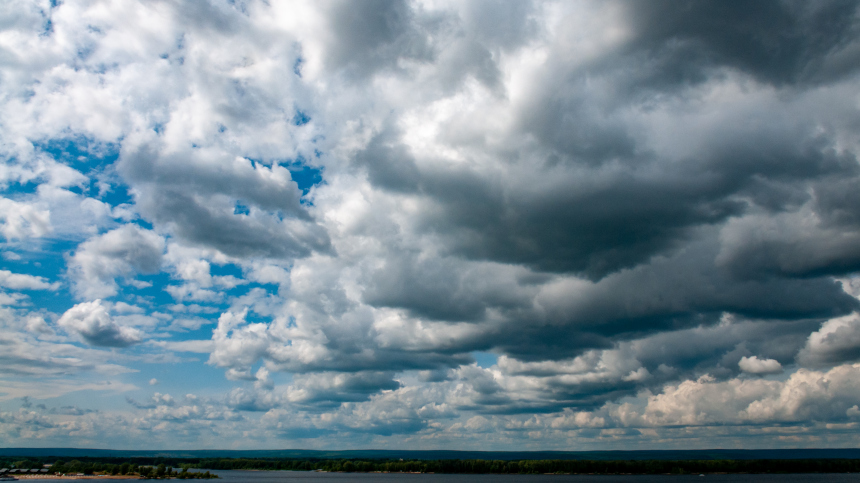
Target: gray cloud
point(331, 389)
point(777, 42)
point(837, 341)
point(91, 321)
point(643, 211)
point(375, 36)
point(196, 196)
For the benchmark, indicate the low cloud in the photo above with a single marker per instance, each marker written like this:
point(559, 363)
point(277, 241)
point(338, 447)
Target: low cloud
point(19, 281)
point(837, 341)
point(23, 220)
point(754, 365)
point(91, 321)
point(123, 252)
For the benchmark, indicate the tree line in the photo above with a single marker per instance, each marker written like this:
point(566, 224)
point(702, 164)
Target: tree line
point(93, 466)
point(477, 466)
point(166, 467)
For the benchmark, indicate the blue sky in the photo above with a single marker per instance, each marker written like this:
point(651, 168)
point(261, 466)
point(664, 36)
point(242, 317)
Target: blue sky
point(429, 225)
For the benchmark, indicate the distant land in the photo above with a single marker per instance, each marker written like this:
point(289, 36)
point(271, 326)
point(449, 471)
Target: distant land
point(704, 454)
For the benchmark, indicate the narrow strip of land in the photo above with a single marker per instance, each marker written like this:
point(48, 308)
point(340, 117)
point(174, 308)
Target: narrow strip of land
point(77, 477)
point(195, 468)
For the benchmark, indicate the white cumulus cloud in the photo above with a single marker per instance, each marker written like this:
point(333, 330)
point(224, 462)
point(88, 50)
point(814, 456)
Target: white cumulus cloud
point(91, 321)
point(20, 281)
point(754, 365)
point(122, 252)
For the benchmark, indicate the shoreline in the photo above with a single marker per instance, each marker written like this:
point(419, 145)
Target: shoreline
point(76, 477)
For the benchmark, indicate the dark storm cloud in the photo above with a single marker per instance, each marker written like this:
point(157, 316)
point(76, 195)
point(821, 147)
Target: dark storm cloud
point(594, 222)
point(668, 294)
point(658, 235)
point(583, 236)
point(648, 236)
point(779, 42)
point(569, 226)
point(797, 254)
point(704, 349)
point(838, 202)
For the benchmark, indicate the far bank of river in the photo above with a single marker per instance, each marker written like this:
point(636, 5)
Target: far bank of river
point(244, 476)
point(76, 477)
point(257, 476)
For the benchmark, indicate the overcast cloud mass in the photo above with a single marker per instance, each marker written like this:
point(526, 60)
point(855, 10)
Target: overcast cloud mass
point(436, 224)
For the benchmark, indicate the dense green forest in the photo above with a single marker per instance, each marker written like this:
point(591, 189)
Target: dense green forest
point(157, 467)
point(92, 466)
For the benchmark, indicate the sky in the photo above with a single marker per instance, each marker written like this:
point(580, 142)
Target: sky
point(465, 224)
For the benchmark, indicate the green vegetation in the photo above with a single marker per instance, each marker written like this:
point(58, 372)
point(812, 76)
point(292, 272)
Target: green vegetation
point(107, 466)
point(542, 466)
point(158, 467)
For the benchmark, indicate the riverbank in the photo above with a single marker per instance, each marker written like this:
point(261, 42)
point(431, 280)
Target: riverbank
point(91, 477)
point(77, 477)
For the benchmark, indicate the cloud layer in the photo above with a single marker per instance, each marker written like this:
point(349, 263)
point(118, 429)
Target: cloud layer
point(427, 224)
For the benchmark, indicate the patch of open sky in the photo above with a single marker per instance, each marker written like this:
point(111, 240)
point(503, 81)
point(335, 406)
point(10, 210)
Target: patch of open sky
point(48, 27)
point(485, 359)
point(254, 318)
point(194, 378)
point(179, 379)
point(297, 67)
point(305, 175)
point(241, 209)
point(44, 260)
point(57, 302)
point(204, 332)
point(80, 152)
point(16, 188)
point(237, 291)
point(118, 194)
point(44, 257)
point(144, 224)
point(115, 194)
point(301, 118)
point(154, 293)
point(225, 269)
